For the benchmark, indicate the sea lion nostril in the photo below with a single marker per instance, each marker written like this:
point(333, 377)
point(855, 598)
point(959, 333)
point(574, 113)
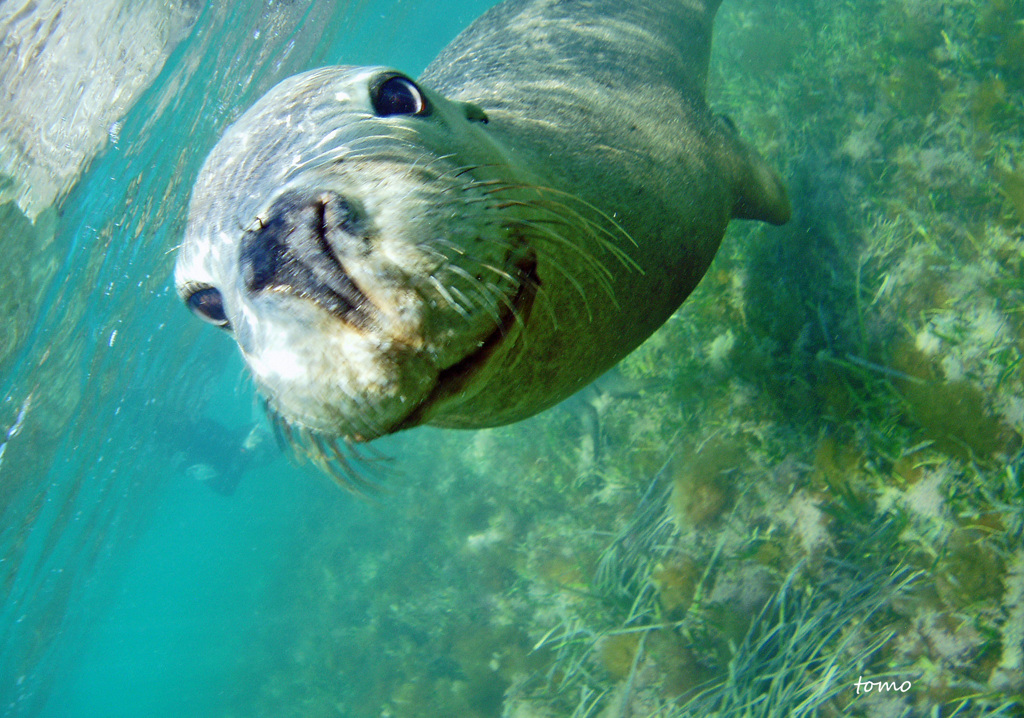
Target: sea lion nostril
point(262, 256)
point(321, 220)
point(338, 214)
point(297, 250)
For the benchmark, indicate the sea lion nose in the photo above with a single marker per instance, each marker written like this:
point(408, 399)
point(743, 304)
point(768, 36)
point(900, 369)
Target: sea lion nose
point(297, 249)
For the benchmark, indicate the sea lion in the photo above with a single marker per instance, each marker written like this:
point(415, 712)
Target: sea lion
point(469, 248)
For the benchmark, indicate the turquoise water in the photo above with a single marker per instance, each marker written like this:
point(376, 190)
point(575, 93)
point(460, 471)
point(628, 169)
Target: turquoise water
point(811, 475)
point(132, 588)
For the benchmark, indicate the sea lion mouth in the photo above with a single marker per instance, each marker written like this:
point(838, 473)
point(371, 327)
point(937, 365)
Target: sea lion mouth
point(453, 379)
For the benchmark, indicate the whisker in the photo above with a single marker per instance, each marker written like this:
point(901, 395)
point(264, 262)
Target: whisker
point(608, 218)
point(448, 298)
point(587, 224)
point(540, 297)
point(497, 270)
point(326, 453)
point(302, 444)
point(281, 429)
point(507, 246)
point(463, 300)
point(484, 291)
point(352, 480)
point(595, 228)
point(378, 455)
point(605, 284)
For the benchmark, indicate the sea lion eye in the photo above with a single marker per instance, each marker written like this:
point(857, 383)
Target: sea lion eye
point(399, 95)
point(208, 305)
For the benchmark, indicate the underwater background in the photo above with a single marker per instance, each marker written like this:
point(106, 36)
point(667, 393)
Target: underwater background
point(810, 476)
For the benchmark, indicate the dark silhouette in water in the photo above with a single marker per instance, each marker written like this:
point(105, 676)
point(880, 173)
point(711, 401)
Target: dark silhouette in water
point(215, 455)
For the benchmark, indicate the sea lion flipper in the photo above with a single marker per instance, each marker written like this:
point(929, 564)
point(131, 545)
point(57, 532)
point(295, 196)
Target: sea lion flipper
point(762, 195)
point(711, 7)
point(757, 188)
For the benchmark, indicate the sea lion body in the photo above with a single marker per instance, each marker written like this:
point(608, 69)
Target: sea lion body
point(471, 250)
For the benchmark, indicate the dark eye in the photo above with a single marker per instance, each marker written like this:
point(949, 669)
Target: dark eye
point(208, 305)
point(399, 96)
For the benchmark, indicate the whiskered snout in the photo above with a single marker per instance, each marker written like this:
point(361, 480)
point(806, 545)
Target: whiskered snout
point(299, 248)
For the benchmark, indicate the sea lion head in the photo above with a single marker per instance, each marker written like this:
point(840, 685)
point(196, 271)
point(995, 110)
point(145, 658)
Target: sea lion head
point(345, 230)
